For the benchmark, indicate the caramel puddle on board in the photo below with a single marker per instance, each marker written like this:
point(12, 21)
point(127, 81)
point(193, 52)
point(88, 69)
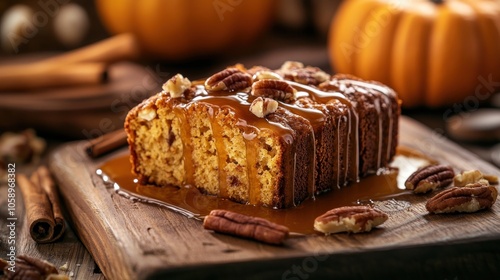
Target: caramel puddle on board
point(381, 190)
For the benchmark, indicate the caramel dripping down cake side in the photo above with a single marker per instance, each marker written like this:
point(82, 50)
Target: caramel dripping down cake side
point(378, 112)
point(261, 136)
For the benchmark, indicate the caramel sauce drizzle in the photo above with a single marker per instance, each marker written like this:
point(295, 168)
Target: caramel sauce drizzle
point(250, 125)
point(221, 152)
point(316, 119)
point(383, 189)
point(187, 147)
point(254, 188)
point(336, 163)
point(352, 139)
point(387, 94)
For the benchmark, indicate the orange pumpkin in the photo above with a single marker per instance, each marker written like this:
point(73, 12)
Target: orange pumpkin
point(432, 53)
point(179, 29)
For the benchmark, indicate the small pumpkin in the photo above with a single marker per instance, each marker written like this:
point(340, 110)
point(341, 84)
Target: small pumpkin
point(433, 53)
point(179, 29)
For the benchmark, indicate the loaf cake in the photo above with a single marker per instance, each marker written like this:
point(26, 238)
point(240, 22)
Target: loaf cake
point(261, 136)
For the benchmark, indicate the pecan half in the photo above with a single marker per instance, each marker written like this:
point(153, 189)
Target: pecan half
point(266, 74)
point(275, 89)
point(33, 268)
point(468, 199)
point(252, 71)
point(236, 224)
point(295, 71)
point(429, 178)
point(230, 79)
point(349, 219)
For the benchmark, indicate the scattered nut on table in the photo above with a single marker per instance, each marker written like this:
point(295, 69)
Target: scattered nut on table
point(349, 219)
point(240, 225)
point(473, 176)
point(429, 178)
point(467, 199)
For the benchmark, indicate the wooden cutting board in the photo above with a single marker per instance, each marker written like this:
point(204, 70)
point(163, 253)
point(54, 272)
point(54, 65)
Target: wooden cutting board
point(133, 240)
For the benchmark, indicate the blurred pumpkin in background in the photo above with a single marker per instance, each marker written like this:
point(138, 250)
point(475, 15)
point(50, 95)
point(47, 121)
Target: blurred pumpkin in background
point(433, 53)
point(181, 29)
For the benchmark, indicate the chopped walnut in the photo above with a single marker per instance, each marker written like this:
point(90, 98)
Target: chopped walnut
point(263, 106)
point(473, 176)
point(177, 85)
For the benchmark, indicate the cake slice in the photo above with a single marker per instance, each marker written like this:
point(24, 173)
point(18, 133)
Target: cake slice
point(261, 136)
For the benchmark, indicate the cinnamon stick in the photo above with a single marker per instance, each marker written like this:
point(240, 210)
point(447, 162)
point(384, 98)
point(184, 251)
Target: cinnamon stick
point(44, 76)
point(38, 210)
point(86, 65)
point(43, 207)
point(43, 178)
point(117, 48)
point(106, 143)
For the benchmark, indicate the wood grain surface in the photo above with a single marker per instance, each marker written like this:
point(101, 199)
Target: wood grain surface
point(67, 251)
point(133, 240)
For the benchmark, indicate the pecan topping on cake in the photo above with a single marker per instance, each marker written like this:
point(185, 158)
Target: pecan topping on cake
point(275, 89)
point(230, 79)
point(266, 75)
point(295, 71)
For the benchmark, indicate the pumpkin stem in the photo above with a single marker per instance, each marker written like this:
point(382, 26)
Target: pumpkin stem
point(438, 2)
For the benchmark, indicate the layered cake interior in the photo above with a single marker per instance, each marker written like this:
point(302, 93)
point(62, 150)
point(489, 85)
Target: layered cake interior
point(261, 136)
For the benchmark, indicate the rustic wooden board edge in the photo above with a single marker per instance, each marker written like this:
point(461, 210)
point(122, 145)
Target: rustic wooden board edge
point(123, 267)
point(465, 260)
point(86, 227)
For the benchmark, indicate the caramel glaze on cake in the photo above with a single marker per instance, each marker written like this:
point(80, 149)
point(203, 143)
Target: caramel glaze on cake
point(332, 131)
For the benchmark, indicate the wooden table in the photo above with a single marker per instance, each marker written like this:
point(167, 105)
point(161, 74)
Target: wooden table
point(471, 259)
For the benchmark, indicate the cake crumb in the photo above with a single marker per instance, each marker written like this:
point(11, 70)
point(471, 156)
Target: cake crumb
point(64, 267)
